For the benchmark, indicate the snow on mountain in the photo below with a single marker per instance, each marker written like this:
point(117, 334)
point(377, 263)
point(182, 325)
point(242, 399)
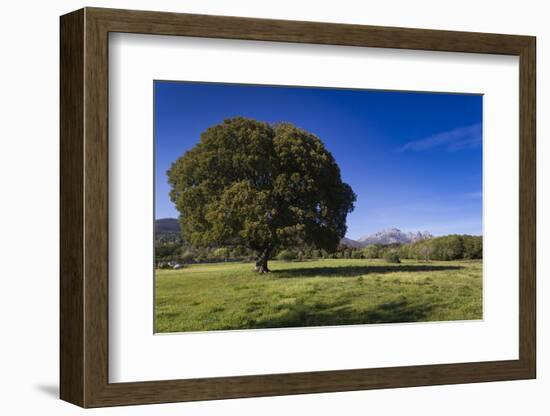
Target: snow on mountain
point(390, 236)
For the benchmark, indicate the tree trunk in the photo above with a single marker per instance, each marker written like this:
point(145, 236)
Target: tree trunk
point(261, 262)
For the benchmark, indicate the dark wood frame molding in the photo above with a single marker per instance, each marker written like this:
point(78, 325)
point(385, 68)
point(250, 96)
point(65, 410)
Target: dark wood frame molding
point(84, 209)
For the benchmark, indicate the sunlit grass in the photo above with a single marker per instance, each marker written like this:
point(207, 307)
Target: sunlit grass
point(225, 296)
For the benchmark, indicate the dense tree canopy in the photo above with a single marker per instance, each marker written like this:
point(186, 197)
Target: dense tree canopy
point(261, 186)
point(449, 247)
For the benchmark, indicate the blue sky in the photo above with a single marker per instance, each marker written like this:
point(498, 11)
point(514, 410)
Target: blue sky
point(413, 159)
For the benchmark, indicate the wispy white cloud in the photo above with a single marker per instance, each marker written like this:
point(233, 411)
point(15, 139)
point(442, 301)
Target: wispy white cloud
point(457, 139)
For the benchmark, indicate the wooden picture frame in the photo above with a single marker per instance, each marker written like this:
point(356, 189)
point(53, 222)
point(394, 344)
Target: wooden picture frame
point(84, 207)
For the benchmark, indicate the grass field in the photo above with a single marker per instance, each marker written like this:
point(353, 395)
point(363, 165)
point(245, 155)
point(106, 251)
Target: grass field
point(225, 296)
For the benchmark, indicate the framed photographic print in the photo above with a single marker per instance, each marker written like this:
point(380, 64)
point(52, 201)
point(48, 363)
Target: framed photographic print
point(255, 207)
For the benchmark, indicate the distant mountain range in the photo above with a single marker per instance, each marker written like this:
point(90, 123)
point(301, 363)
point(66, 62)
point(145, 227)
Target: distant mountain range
point(169, 229)
point(390, 236)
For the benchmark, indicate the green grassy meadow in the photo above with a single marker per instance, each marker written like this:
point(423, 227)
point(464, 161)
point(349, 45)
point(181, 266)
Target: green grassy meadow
point(226, 296)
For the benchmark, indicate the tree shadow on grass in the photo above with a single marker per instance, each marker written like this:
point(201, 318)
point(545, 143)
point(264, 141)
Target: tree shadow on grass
point(302, 315)
point(355, 271)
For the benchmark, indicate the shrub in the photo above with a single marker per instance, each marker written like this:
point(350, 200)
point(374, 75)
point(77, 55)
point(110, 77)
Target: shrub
point(426, 251)
point(286, 255)
point(221, 253)
point(356, 254)
point(391, 256)
point(316, 254)
point(473, 247)
point(188, 256)
point(166, 250)
point(372, 251)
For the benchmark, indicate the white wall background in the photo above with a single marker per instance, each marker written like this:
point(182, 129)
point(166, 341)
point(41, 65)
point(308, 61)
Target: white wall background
point(29, 208)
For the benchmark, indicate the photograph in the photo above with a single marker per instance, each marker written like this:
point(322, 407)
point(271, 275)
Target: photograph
point(306, 206)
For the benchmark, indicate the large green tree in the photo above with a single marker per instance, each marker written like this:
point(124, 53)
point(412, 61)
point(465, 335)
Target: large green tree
point(262, 186)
